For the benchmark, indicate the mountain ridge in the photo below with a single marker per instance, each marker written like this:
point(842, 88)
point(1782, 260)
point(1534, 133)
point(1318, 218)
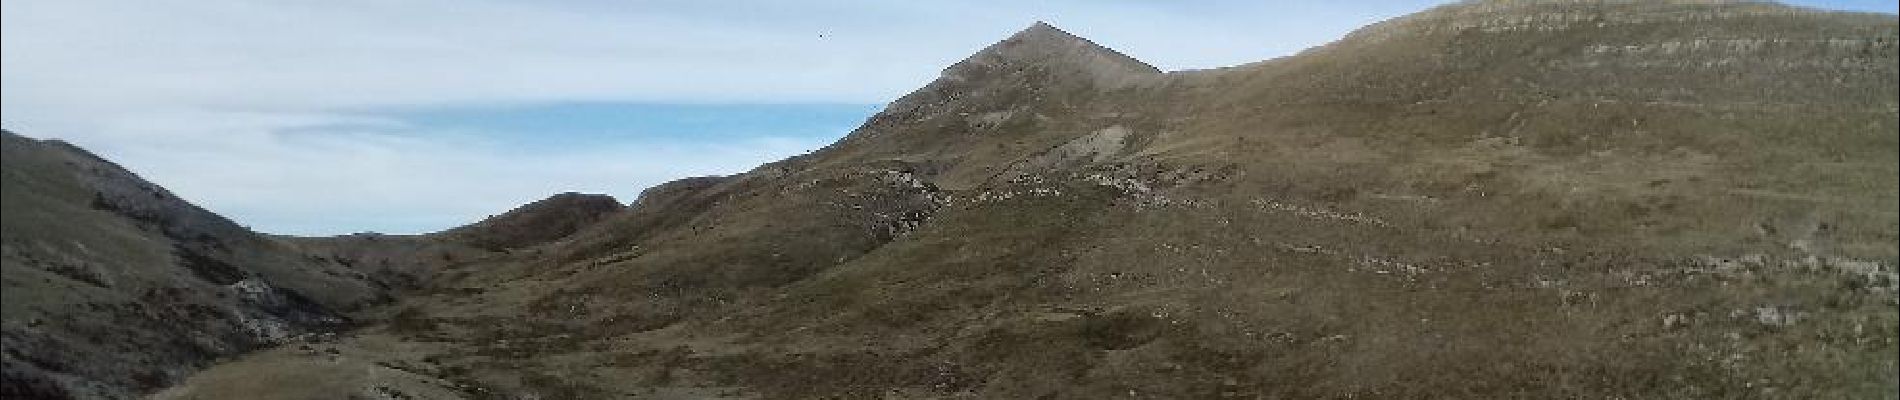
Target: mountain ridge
point(1012, 233)
point(1534, 207)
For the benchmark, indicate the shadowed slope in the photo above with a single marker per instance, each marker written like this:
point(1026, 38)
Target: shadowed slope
point(114, 286)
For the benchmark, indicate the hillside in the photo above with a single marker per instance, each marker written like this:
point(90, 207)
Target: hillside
point(114, 286)
point(1536, 199)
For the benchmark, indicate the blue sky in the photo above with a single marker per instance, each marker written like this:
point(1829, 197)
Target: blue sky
point(319, 118)
point(1884, 6)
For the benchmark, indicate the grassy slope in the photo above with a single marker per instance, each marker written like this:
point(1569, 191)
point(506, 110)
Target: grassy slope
point(1455, 204)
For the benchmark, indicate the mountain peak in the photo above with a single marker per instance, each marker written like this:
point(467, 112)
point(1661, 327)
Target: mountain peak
point(1044, 45)
point(1041, 28)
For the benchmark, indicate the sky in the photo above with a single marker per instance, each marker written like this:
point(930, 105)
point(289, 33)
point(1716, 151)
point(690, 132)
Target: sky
point(334, 117)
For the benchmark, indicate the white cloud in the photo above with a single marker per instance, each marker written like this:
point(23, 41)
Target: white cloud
point(299, 55)
point(345, 174)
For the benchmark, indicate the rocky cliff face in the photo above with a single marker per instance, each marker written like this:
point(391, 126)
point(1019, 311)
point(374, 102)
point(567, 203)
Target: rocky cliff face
point(1486, 199)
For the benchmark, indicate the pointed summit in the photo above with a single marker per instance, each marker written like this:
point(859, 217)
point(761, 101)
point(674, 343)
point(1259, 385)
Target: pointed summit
point(1043, 29)
point(1040, 60)
point(1044, 46)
